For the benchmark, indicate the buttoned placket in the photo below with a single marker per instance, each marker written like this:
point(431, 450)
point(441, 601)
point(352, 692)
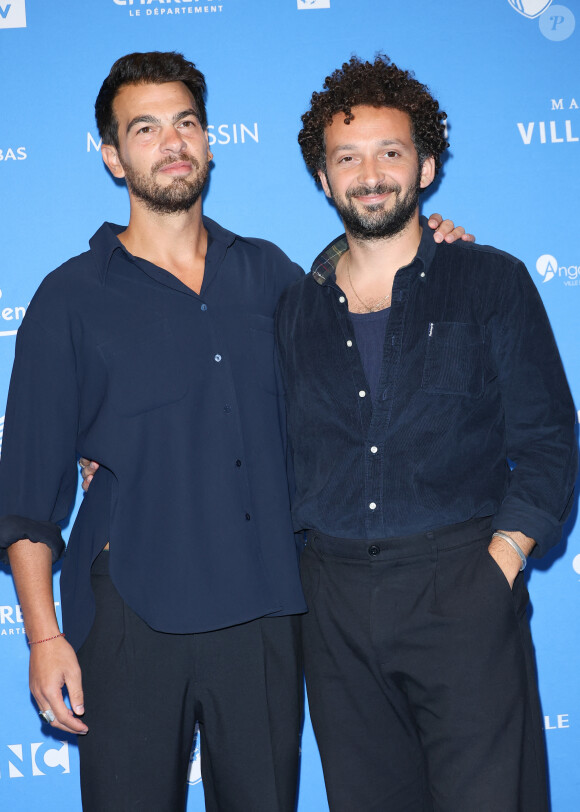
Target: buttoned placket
point(375, 418)
point(230, 411)
point(376, 440)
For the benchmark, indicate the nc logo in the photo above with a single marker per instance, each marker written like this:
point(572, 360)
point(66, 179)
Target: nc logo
point(547, 266)
point(43, 758)
point(530, 8)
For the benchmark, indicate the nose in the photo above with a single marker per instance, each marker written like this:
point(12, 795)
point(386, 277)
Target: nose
point(370, 171)
point(172, 140)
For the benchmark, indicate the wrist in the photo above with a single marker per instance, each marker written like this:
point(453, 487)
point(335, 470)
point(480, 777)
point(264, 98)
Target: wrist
point(513, 546)
point(46, 639)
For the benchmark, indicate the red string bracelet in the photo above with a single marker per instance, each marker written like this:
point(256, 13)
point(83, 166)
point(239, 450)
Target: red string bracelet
point(46, 639)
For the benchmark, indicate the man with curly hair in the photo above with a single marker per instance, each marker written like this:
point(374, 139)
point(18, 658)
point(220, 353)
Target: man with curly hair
point(432, 434)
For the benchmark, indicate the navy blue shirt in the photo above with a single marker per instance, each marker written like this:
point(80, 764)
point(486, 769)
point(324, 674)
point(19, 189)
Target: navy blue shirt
point(471, 383)
point(369, 332)
point(176, 395)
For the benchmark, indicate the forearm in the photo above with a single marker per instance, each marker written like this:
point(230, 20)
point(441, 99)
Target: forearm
point(31, 565)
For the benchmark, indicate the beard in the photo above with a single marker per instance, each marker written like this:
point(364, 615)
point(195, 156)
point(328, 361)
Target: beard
point(180, 195)
point(374, 222)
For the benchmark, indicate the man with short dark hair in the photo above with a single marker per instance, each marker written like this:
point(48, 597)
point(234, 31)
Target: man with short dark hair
point(180, 587)
point(432, 435)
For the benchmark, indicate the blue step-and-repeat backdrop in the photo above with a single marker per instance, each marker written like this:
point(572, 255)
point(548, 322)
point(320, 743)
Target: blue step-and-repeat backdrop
point(506, 72)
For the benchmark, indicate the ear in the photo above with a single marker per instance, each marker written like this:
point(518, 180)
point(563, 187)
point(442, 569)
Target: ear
point(324, 182)
point(427, 172)
point(110, 156)
point(209, 152)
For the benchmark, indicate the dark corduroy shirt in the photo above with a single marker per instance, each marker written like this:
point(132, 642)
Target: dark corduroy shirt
point(177, 396)
point(471, 386)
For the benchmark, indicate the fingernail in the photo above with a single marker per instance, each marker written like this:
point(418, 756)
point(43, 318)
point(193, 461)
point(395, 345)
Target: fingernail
point(438, 237)
point(79, 710)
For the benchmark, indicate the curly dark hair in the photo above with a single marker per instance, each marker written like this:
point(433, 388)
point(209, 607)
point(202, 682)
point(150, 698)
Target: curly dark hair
point(153, 67)
point(377, 84)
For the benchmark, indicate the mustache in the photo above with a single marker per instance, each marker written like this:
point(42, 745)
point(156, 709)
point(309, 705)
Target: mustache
point(379, 189)
point(171, 159)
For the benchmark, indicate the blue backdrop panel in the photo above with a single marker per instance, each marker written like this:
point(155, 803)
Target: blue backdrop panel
point(504, 70)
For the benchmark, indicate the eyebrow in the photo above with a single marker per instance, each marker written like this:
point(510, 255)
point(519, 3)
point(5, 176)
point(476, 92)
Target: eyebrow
point(148, 119)
point(385, 142)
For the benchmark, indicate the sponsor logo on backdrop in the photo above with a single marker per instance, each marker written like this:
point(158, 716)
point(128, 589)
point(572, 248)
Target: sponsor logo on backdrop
point(576, 559)
point(13, 14)
point(530, 8)
point(194, 773)
point(169, 8)
point(232, 133)
point(559, 722)
point(305, 4)
point(34, 759)
point(13, 154)
point(10, 316)
point(564, 129)
point(223, 134)
point(556, 22)
point(549, 268)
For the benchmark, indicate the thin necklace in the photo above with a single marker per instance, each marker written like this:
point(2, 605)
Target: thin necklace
point(369, 308)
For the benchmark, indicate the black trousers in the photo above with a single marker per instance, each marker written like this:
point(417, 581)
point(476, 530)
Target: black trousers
point(420, 675)
point(145, 690)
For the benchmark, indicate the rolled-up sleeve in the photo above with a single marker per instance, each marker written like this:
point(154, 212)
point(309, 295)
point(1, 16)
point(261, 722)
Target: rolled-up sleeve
point(539, 415)
point(38, 474)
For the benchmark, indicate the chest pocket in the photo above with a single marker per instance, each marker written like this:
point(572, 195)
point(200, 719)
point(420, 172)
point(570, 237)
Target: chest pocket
point(454, 359)
point(264, 352)
point(145, 369)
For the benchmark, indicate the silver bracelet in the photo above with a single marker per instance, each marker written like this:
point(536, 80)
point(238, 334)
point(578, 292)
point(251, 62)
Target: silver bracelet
point(515, 546)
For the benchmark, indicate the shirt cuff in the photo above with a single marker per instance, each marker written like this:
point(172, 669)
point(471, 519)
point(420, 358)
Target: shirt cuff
point(15, 528)
point(536, 524)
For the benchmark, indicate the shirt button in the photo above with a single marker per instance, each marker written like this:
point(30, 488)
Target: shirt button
point(217, 358)
point(422, 274)
point(374, 449)
point(362, 393)
point(374, 549)
point(248, 517)
point(238, 463)
point(373, 505)
point(349, 343)
point(204, 307)
point(341, 299)
point(227, 408)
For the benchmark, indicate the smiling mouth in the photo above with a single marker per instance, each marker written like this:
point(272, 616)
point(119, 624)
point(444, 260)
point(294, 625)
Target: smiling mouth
point(369, 200)
point(372, 197)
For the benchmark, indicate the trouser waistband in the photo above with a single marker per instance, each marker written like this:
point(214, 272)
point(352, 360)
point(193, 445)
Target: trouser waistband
point(424, 543)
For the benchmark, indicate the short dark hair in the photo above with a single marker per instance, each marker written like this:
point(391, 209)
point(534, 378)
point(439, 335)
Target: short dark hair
point(377, 84)
point(156, 68)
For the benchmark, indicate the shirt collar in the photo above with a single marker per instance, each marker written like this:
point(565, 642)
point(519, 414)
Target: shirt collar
point(105, 243)
point(324, 266)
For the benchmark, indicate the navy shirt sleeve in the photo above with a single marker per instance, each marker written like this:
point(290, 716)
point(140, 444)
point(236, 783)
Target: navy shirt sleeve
point(38, 476)
point(539, 415)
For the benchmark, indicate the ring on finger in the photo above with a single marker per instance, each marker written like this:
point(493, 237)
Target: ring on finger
point(47, 715)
